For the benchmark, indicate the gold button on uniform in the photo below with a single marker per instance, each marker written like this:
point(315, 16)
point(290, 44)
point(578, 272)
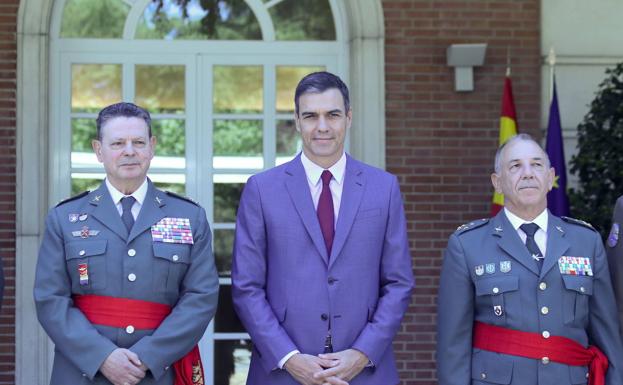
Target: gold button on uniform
point(582, 289)
point(483, 375)
point(82, 252)
point(496, 290)
point(545, 360)
point(131, 277)
point(542, 286)
point(176, 258)
point(545, 334)
point(544, 310)
point(131, 252)
point(129, 329)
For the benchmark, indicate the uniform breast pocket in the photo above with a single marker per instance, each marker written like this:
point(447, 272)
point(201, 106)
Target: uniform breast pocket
point(576, 299)
point(171, 261)
point(496, 295)
point(86, 265)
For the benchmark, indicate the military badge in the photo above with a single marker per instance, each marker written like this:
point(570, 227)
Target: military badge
point(613, 237)
point(85, 232)
point(83, 217)
point(505, 266)
point(172, 230)
point(73, 218)
point(479, 270)
point(83, 272)
point(575, 266)
point(490, 268)
point(497, 310)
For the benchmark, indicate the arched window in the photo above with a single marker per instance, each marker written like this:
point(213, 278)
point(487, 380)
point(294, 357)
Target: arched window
point(218, 78)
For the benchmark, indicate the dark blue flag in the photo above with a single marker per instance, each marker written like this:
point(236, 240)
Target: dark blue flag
point(557, 200)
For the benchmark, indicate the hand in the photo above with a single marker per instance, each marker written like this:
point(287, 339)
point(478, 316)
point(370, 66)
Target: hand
point(350, 363)
point(122, 367)
point(303, 366)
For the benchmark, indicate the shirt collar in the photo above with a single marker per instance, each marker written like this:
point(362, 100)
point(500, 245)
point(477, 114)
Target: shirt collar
point(540, 220)
point(313, 171)
point(139, 194)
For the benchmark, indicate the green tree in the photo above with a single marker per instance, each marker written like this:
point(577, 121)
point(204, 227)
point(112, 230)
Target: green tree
point(600, 155)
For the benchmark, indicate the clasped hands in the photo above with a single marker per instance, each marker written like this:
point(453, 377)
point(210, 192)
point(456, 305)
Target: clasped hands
point(123, 367)
point(326, 369)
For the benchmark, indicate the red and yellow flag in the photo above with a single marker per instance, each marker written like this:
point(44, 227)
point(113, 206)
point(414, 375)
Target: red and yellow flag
point(508, 128)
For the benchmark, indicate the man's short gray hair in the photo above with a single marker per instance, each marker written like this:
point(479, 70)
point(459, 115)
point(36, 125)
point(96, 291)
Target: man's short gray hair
point(497, 165)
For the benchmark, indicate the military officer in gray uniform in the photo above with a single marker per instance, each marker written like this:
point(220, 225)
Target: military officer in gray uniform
point(125, 283)
point(523, 295)
point(614, 251)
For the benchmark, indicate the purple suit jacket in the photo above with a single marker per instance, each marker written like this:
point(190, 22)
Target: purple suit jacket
point(286, 289)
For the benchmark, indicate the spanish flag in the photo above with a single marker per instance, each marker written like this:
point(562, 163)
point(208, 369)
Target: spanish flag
point(508, 129)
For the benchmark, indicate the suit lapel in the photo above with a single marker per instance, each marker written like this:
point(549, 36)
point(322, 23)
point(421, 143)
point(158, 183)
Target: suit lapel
point(105, 211)
point(298, 188)
point(352, 192)
point(151, 211)
point(557, 244)
point(510, 242)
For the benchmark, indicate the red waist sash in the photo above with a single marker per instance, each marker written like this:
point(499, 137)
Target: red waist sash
point(532, 345)
point(122, 312)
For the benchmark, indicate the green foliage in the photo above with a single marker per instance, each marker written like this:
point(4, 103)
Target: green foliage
point(237, 138)
point(171, 136)
point(303, 20)
point(226, 199)
point(600, 155)
point(95, 19)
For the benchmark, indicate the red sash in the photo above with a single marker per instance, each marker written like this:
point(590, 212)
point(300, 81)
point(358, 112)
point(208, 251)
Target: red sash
point(532, 345)
point(121, 312)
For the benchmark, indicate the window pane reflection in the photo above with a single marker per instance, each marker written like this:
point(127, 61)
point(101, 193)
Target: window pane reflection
point(226, 320)
point(160, 88)
point(288, 139)
point(231, 361)
point(198, 19)
point(238, 89)
point(171, 137)
point(178, 188)
point(303, 20)
point(223, 245)
point(287, 79)
point(94, 86)
point(80, 183)
point(83, 131)
point(237, 137)
point(226, 199)
point(94, 19)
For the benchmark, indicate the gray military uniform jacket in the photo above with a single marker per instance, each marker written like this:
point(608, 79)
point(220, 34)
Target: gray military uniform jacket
point(614, 251)
point(124, 265)
point(489, 276)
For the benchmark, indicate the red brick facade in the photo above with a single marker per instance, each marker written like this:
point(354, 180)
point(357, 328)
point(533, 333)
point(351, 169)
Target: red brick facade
point(8, 84)
point(439, 142)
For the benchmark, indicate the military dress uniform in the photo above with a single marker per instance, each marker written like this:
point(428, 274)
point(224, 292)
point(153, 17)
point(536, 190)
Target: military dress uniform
point(488, 276)
point(88, 251)
point(614, 251)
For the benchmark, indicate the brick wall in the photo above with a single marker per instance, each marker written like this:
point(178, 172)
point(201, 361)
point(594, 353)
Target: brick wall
point(441, 143)
point(8, 63)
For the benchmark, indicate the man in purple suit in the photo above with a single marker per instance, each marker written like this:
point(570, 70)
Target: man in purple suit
point(321, 269)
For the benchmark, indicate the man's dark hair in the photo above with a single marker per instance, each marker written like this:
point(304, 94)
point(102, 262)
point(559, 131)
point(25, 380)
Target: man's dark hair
point(125, 109)
point(318, 82)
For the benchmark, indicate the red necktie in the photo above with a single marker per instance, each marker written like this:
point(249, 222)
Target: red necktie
point(325, 211)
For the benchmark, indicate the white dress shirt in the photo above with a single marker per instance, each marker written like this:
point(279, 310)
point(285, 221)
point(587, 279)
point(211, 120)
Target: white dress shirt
point(540, 237)
point(139, 195)
point(313, 172)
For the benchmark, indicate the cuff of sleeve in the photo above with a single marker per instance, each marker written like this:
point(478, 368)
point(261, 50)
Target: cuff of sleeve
point(92, 371)
point(286, 358)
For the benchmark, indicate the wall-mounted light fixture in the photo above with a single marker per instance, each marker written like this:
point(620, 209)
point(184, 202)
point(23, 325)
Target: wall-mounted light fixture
point(464, 57)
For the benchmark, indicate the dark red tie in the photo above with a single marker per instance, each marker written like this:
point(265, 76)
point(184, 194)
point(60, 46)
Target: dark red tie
point(325, 211)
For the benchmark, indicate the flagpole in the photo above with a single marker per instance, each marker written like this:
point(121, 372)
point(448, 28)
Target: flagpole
point(508, 61)
point(551, 60)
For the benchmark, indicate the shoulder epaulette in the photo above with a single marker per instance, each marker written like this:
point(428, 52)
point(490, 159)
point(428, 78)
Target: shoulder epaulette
point(187, 199)
point(578, 222)
point(471, 225)
point(73, 198)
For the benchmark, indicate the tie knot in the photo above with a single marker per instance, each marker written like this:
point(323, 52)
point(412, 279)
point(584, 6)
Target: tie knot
point(127, 202)
point(529, 228)
point(326, 177)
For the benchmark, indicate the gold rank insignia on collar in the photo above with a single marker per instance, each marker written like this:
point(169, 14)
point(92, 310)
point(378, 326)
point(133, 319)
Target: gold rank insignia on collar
point(498, 229)
point(159, 200)
point(96, 198)
point(560, 229)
